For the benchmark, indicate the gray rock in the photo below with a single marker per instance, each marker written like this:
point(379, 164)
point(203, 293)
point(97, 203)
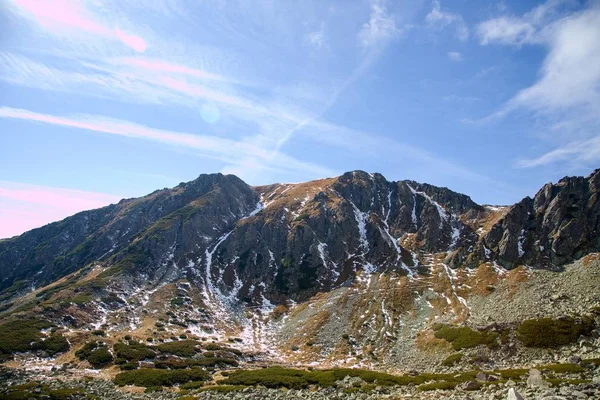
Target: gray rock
point(514, 395)
point(535, 379)
point(470, 385)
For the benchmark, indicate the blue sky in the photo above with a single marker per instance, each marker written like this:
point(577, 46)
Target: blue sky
point(103, 99)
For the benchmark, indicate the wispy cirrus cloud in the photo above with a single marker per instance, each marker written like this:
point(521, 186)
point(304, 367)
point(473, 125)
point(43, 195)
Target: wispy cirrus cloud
point(24, 207)
point(440, 20)
point(586, 152)
point(59, 16)
point(227, 150)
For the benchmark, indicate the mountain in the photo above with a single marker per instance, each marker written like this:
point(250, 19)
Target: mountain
point(353, 270)
point(293, 240)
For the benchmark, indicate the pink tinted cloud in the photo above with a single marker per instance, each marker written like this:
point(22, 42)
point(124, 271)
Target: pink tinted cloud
point(163, 66)
point(71, 13)
point(59, 14)
point(135, 42)
point(24, 206)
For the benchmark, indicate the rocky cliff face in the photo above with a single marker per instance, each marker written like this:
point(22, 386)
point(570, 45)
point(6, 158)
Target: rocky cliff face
point(279, 242)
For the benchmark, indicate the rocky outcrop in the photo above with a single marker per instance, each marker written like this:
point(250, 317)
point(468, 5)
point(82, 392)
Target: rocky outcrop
point(559, 224)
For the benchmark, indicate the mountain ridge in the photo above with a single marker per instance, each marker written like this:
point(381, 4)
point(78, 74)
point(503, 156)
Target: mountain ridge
point(383, 223)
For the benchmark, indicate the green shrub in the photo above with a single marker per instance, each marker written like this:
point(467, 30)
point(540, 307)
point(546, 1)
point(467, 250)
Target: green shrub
point(98, 332)
point(452, 359)
point(80, 299)
point(563, 368)
point(149, 377)
point(547, 332)
point(191, 385)
point(96, 354)
point(591, 361)
point(128, 366)
point(183, 348)
point(100, 358)
point(19, 335)
point(514, 374)
point(133, 351)
point(295, 378)
point(464, 337)
point(55, 344)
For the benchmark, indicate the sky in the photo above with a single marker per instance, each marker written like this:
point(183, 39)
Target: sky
point(108, 99)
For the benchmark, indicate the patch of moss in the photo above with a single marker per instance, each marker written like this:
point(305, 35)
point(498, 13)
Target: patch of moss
point(562, 382)
point(54, 344)
point(133, 351)
point(191, 385)
point(148, 377)
point(96, 354)
point(23, 335)
point(464, 337)
point(548, 333)
point(591, 361)
point(563, 368)
point(201, 362)
point(514, 374)
point(452, 359)
point(182, 348)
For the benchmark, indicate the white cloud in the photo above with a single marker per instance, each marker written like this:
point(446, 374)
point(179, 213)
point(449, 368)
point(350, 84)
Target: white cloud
point(455, 56)
point(565, 99)
point(317, 38)
point(506, 30)
point(531, 28)
point(586, 152)
point(570, 74)
point(380, 28)
point(439, 20)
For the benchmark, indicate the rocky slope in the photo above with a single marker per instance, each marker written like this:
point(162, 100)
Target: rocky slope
point(351, 271)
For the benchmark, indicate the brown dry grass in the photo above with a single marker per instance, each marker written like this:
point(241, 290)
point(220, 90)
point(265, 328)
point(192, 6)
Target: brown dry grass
point(590, 258)
point(427, 341)
point(515, 278)
point(485, 277)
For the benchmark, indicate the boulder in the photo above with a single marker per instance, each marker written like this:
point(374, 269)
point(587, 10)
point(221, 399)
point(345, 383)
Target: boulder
point(470, 385)
point(535, 379)
point(482, 376)
point(514, 395)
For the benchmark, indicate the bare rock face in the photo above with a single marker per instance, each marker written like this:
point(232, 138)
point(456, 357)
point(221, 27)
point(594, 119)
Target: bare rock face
point(281, 242)
point(559, 224)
